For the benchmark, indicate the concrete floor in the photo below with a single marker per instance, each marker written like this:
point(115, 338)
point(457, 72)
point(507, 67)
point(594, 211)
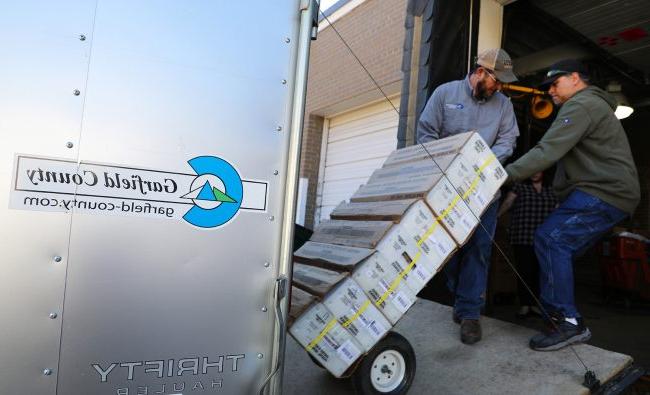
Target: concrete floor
point(501, 363)
point(614, 326)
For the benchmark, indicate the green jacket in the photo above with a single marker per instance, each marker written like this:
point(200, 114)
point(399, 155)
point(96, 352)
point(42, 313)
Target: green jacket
point(591, 150)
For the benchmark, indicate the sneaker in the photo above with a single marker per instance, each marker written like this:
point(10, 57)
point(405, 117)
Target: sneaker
point(560, 335)
point(470, 331)
point(534, 310)
point(523, 312)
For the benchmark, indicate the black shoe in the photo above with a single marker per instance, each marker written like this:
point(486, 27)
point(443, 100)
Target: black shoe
point(560, 334)
point(524, 312)
point(534, 310)
point(470, 331)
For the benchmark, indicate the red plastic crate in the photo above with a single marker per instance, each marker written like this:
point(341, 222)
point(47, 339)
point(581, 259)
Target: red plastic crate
point(629, 275)
point(624, 248)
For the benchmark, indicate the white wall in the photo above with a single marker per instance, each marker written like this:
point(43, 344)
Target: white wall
point(490, 27)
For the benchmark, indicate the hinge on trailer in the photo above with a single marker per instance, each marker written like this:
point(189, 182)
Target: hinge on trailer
point(282, 287)
point(315, 7)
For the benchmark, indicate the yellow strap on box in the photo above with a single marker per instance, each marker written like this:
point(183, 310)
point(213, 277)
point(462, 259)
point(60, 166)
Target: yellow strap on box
point(356, 315)
point(322, 334)
point(478, 176)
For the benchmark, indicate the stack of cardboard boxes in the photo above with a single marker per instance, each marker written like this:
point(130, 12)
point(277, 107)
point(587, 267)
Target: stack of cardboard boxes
point(361, 271)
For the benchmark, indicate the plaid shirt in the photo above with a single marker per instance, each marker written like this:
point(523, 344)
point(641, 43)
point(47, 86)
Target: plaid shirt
point(529, 211)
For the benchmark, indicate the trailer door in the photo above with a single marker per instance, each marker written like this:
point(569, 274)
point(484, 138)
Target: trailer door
point(144, 170)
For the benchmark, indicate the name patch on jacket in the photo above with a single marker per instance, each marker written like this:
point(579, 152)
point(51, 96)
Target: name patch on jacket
point(454, 106)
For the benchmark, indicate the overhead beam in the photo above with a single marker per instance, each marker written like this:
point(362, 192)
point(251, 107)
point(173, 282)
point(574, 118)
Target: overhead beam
point(540, 60)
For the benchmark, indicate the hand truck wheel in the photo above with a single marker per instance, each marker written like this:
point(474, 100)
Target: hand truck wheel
point(389, 368)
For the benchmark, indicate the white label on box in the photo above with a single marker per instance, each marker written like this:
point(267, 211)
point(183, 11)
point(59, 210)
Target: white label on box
point(499, 173)
point(348, 352)
point(383, 285)
point(422, 273)
point(441, 249)
point(467, 224)
point(481, 198)
point(354, 310)
point(376, 329)
point(402, 302)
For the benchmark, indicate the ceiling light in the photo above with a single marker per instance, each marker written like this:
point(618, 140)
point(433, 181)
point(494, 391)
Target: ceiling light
point(623, 110)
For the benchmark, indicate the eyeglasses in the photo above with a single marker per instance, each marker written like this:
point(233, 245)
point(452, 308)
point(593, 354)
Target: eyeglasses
point(492, 76)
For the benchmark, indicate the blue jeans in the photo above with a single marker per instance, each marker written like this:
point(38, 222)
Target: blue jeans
point(567, 232)
point(467, 270)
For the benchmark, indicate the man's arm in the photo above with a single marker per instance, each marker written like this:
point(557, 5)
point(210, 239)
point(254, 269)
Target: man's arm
point(507, 203)
point(506, 139)
point(570, 125)
point(430, 121)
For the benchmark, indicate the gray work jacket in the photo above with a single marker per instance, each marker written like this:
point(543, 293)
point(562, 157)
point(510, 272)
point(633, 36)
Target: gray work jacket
point(452, 109)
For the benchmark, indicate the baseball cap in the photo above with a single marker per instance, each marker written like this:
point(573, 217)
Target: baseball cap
point(563, 67)
point(498, 61)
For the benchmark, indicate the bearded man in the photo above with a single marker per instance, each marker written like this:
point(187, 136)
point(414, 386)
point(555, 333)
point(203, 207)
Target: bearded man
point(474, 103)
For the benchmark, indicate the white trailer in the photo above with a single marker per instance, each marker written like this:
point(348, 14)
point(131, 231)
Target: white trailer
point(149, 162)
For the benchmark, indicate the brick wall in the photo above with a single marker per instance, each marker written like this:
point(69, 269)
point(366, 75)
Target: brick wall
point(310, 162)
point(375, 32)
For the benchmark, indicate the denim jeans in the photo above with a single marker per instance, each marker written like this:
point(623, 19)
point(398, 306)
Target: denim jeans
point(467, 270)
point(567, 232)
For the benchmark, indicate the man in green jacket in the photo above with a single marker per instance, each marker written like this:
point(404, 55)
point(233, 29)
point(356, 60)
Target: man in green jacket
point(596, 181)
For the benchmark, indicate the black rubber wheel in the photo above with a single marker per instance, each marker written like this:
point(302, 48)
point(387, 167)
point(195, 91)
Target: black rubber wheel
point(389, 368)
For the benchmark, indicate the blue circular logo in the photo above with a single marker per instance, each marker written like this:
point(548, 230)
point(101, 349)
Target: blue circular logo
point(216, 192)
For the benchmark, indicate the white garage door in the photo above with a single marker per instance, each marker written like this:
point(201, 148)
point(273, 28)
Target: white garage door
point(357, 143)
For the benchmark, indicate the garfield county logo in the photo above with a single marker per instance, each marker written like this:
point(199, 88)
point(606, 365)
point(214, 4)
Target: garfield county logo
point(217, 192)
point(210, 196)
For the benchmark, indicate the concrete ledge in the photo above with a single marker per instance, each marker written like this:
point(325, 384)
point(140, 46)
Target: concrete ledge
point(501, 363)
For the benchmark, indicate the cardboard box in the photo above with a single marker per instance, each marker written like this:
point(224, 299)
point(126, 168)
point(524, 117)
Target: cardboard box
point(315, 280)
point(300, 301)
point(319, 332)
point(411, 171)
point(426, 240)
point(372, 211)
point(363, 234)
point(451, 145)
point(467, 162)
point(341, 296)
point(417, 180)
point(331, 256)
point(452, 211)
point(394, 241)
point(384, 286)
point(397, 183)
point(429, 235)
point(357, 314)
point(476, 180)
point(402, 253)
